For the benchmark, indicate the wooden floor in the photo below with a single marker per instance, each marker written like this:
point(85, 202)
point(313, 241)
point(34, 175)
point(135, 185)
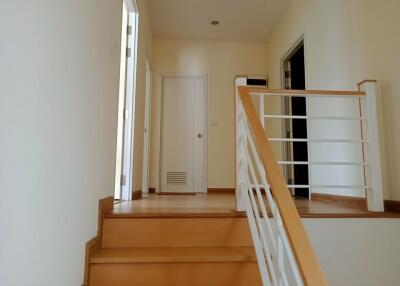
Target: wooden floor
point(223, 205)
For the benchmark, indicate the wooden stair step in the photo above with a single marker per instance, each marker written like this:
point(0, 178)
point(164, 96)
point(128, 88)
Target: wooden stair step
point(176, 232)
point(173, 254)
point(185, 214)
point(174, 266)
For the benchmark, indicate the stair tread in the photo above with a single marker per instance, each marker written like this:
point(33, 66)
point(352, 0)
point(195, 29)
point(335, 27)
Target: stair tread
point(158, 214)
point(173, 254)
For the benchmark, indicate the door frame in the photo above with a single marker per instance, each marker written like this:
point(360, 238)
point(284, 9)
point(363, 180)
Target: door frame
point(290, 51)
point(146, 131)
point(126, 104)
point(204, 77)
point(286, 105)
point(287, 109)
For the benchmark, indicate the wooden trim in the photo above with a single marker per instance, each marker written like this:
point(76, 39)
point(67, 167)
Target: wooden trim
point(365, 81)
point(307, 261)
point(341, 200)
point(174, 254)
point(365, 215)
point(392, 206)
point(137, 195)
point(116, 202)
point(152, 190)
point(182, 215)
point(91, 246)
point(221, 191)
point(304, 92)
point(175, 194)
point(105, 205)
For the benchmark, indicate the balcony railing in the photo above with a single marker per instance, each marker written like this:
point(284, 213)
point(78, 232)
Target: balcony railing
point(284, 253)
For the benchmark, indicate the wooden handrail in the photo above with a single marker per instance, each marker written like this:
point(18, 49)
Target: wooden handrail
point(307, 261)
point(260, 90)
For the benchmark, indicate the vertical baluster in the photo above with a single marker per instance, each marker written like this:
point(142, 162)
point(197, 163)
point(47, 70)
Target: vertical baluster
point(262, 173)
point(261, 230)
point(281, 262)
point(268, 228)
point(262, 112)
point(256, 240)
point(310, 177)
point(361, 102)
point(280, 230)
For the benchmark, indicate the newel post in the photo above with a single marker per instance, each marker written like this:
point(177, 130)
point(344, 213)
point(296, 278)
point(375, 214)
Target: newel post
point(372, 151)
point(241, 147)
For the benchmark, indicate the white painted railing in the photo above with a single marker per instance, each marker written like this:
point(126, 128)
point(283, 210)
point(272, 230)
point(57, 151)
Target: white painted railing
point(283, 251)
point(365, 138)
point(276, 260)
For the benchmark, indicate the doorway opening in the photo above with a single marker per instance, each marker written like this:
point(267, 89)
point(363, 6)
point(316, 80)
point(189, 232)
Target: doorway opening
point(126, 102)
point(183, 148)
point(294, 78)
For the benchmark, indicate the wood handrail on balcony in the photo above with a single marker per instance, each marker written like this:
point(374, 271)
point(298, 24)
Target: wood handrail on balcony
point(307, 261)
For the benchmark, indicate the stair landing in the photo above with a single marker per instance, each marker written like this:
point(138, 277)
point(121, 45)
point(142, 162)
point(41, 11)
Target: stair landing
point(203, 205)
point(223, 205)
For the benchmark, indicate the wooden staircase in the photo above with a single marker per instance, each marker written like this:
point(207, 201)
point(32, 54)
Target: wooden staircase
point(173, 250)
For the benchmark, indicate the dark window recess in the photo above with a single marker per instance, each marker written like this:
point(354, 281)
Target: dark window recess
point(254, 81)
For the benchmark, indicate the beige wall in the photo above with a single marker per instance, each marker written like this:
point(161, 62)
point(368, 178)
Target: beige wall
point(221, 61)
point(59, 77)
point(357, 252)
point(144, 50)
point(347, 41)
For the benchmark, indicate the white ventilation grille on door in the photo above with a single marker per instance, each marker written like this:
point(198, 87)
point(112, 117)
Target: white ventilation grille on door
point(176, 178)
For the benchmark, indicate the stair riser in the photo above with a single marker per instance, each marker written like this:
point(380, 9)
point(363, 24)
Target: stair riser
point(175, 232)
point(176, 274)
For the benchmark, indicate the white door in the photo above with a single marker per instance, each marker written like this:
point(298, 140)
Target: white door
point(183, 134)
point(146, 137)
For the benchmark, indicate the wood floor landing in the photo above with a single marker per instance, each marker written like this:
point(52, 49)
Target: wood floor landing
point(223, 205)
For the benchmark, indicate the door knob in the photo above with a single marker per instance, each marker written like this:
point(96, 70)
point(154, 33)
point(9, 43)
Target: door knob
point(199, 135)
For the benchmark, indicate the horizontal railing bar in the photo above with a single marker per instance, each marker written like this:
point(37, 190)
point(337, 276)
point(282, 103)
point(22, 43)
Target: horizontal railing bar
point(315, 117)
point(317, 140)
point(305, 93)
point(309, 95)
point(354, 187)
point(323, 163)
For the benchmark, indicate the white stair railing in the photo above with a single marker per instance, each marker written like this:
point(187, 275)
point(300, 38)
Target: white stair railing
point(351, 164)
point(283, 251)
point(266, 226)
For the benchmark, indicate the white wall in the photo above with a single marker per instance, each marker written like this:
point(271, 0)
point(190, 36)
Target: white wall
point(221, 62)
point(347, 41)
point(59, 77)
point(357, 252)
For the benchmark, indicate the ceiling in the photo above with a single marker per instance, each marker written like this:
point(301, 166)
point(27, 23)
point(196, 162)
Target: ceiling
point(240, 20)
